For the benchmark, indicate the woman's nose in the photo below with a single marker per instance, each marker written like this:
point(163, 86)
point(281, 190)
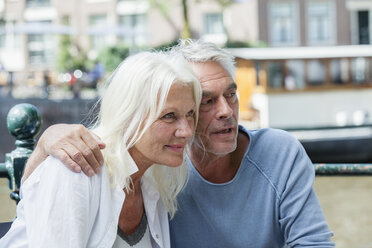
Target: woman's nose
point(184, 129)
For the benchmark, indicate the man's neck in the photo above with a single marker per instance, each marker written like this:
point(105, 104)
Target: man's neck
point(219, 168)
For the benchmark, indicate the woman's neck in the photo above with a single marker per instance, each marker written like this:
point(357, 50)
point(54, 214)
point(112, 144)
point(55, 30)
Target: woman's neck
point(142, 164)
point(133, 207)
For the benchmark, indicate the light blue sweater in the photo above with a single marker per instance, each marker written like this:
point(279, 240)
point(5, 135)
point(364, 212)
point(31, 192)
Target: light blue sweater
point(269, 203)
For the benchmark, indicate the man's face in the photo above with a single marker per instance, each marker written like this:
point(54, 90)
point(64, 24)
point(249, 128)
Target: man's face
point(217, 128)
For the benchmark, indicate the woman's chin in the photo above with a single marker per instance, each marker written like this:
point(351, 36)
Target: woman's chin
point(174, 163)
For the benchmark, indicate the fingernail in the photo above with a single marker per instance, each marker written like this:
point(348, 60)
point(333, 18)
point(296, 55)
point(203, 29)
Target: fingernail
point(77, 169)
point(90, 172)
point(98, 170)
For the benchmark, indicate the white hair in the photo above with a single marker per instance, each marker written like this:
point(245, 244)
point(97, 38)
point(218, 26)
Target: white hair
point(198, 51)
point(133, 100)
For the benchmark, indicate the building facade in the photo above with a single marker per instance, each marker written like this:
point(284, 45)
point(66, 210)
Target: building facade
point(284, 23)
point(30, 30)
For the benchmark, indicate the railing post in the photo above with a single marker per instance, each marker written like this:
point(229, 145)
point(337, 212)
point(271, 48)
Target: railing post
point(24, 123)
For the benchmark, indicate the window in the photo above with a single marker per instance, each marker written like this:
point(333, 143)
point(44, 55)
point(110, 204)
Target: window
point(97, 37)
point(288, 75)
point(359, 70)
point(40, 51)
point(320, 22)
point(133, 29)
point(213, 23)
point(294, 78)
point(275, 74)
point(363, 27)
point(8, 38)
point(37, 3)
point(339, 71)
point(40, 48)
point(316, 72)
point(283, 23)
point(2, 34)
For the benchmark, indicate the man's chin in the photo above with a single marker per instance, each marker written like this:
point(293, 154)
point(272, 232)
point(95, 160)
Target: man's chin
point(222, 149)
point(215, 146)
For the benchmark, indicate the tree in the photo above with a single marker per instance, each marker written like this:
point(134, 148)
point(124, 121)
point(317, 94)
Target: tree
point(186, 32)
point(70, 57)
point(163, 7)
point(112, 56)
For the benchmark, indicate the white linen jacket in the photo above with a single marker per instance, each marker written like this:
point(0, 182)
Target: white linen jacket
point(60, 208)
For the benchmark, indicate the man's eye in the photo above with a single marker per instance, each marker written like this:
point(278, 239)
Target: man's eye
point(232, 94)
point(207, 101)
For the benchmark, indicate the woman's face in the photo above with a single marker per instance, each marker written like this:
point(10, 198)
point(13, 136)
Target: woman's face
point(165, 140)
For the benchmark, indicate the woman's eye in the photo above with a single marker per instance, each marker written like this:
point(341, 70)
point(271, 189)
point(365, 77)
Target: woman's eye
point(190, 113)
point(168, 116)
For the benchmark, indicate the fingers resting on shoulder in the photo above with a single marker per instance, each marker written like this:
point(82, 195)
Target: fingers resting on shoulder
point(76, 146)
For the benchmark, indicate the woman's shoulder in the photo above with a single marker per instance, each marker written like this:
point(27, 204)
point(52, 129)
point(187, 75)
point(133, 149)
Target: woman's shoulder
point(53, 172)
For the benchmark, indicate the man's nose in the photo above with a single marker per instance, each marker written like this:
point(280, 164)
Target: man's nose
point(224, 109)
point(184, 129)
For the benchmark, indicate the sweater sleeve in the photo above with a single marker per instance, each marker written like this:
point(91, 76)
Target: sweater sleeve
point(301, 218)
point(59, 206)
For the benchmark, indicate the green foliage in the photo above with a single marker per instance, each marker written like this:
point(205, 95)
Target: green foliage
point(237, 44)
point(166, 46)
point(112, 56)
point(70, 57)
point(186, 31)
point(225, 3)
point(242, 44)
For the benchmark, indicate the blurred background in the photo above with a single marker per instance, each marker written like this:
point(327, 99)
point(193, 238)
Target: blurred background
point(302, 65)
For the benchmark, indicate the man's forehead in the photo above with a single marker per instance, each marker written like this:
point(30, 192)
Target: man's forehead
point(209, 71)
point(210, 77)
point(209, 90)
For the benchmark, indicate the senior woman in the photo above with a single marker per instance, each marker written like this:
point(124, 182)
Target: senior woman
point(148, 114)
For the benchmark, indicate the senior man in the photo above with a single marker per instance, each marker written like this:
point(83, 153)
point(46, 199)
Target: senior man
point(246, 188)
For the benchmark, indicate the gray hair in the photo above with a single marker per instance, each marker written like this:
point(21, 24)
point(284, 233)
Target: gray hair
point(199, 51)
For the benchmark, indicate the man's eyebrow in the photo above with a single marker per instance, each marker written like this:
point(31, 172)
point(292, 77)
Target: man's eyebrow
point(206, 94)
point(232, 86)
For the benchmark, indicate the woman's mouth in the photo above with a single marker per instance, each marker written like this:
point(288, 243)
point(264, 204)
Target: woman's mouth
point(176, 147)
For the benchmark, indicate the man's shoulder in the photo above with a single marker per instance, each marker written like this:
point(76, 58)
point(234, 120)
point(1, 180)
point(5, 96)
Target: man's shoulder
point(269, 138)
point(273, 152)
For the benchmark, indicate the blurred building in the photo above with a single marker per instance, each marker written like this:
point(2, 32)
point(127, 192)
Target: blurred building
point(315, 22)
point(30, 30)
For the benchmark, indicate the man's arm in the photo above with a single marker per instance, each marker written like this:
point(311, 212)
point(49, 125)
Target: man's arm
point(74, 145)
point(301, 217)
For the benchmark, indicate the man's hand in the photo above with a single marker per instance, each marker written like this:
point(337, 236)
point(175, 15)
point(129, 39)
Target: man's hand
point(77, 148)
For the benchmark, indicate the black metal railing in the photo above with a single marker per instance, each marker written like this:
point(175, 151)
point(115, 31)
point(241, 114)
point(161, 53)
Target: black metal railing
point(24, 123)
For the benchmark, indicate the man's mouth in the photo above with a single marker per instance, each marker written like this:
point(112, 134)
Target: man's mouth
point(223, 131)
